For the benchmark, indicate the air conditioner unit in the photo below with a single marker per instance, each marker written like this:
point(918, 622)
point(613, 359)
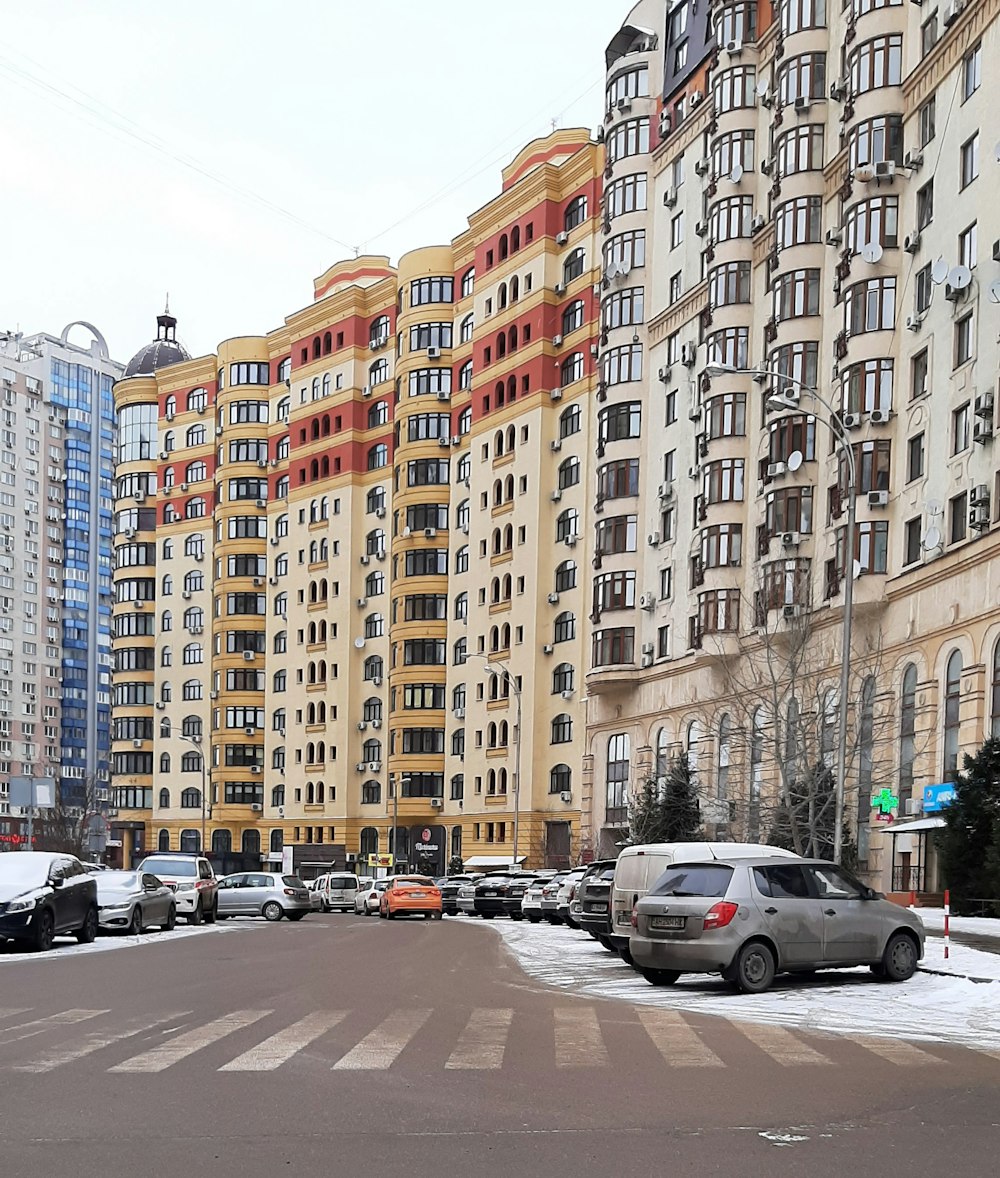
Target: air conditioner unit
point(218, 431)
point(878, 498)
point(555, 394)
point(666, 491)
point(790, 539)
point(160, 705)
point(571, 540)
point(556, 445)
point(839, 90)
point(249, 656)
point(377, 681)
point(757, 224)
point(137, 744)
point(702, 166)
point(701, 228)
point(734, 48)
point(255, 769)
point(834, 237)
point(982, 430)
point(274, 541)
point(979, 518)
point(952, 12)
point(663, 373)
point(213, 695)
point(433, 353)
point(556, 496)
point(186, 595)
point(366, 390)
point(256, 807)
point(430, 533)
point(980, 495)
point(553, 599)
point(689, 354)
point(802, 104)
point(885, 169)
point(775, 470)
point(851, 420)
point(565, 796)
point(169, 415)
point(791, 611)
point(560, 288)
point(547, 648)
point(984, 405)
point(653, 539)
point(914, 322)
point(913, 806)
point(460, 713)
point(436, 803)
point(880, 416)
point(129, 533)
point(670, 197)
point(365, 559)
point(374, 766)
point(361, 766)
point(911, 242)
point(647, 601)
point(139, 497)
point(376, 724)
point(954, 294)
point(444, 395)
point(250, 730)
point(196, 629)
point(562, 237)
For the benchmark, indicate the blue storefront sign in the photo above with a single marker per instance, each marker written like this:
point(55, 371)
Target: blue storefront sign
point(937, 797)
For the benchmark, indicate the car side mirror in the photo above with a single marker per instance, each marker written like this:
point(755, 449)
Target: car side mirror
point(56, 881)
point(869, 894)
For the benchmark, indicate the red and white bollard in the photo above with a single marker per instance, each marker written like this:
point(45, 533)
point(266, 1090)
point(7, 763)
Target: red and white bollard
point(947, 922)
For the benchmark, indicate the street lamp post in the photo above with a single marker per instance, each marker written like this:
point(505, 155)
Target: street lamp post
point(501, 671)
point(195, 741)
point(840, 435)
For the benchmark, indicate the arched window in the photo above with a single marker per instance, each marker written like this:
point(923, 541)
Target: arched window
point(378, 333)
point(326, 391)
point(574, 265)
point(564, 629)
point(166, 657)
point(165, 728)
point(168, 477)
point(277, 841)
point(460, 652)
point(371, 793)
point(166, 622)
point(191, 726)
point(378, 372)
point(567, 524)
point(722, 766)
point(560, 779)
point(194, 545)
point(461, 606)
point(222, 842)
point(163, 840)
point(465, 375)
point(952, 709)
point(170, 407)
point(465, 420)
point(569, 421)
point(167, 585)
point(378, 414)
point(374, 626)
point(466, 328)
point(194, 581)
point(661, 762)
point(371, 709)
point(468, 282)
point(616, 778)
point(374, 584)
point(378, 456)
point(251, 842)
point(908, 728)
point(190, 841)
point(169, 441)
point(694, 738)
point(565, 576)
point(168, 549)
point(375, 500)
point(575, 214)
point(191, 763)
point(462, 559)
point(572, 318)
point(369, 841)
point(569, 473)
point(191, 689)
point(562, 729)
point(196, 435)
point(571, 370)
point(165, 798)
point(191, 799)
point(373, 668)
point(195, 472)
point(197, 400)
point(195, 508)
point(563, 679)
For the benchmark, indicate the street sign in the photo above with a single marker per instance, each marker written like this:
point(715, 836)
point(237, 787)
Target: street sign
point(379, 860)
point(885, 802)
point(938, 797)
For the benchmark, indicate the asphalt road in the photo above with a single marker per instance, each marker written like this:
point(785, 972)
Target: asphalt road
point(348, 1046)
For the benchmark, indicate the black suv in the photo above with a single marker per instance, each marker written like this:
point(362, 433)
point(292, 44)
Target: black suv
point(490, 895)
point(594, 894)
point(449, 892)
point(45, 895)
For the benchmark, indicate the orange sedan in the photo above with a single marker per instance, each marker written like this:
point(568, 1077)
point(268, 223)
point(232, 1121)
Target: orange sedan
point(411, 895)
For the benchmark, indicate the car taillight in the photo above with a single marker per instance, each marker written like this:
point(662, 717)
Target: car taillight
point(572, 892)
point(635, 917)
point(289, 892)
point(719, 915)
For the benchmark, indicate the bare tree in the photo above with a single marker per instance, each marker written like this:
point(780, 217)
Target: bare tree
point(66, 826)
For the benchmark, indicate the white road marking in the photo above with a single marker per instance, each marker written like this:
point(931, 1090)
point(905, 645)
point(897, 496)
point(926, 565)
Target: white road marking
point(96, 1041)
point(280, 1048)
point(579, 1043)
point(896, 1051)
point(39, 1025)
point(781, 1045)
point(379, 1049)
point(678, 1043)
point(7, 1012)
point(174, 1050)
point(482, 1043)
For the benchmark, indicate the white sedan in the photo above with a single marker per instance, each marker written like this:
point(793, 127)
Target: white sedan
point(131, 901)
point(366, 899)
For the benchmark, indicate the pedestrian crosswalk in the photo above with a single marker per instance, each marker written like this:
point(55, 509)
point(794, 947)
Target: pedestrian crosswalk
point(566, 1035)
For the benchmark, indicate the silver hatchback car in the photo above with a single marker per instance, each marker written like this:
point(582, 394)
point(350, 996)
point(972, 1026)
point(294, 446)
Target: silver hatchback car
point(263, 893)
point(749, 919)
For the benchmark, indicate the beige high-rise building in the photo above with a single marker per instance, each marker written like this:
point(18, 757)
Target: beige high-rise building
point(816, 203)
point(368, 608)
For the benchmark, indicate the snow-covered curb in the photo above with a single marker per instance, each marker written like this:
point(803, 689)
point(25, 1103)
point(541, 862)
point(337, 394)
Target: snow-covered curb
point(932, 1008)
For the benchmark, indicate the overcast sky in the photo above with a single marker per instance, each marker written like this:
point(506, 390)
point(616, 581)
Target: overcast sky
point(372, 123)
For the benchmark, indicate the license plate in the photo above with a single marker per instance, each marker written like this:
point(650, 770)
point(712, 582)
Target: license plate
point(489, 893)
point(595, 907)
point(667, 921)
point(418, 895)
point(623, 918)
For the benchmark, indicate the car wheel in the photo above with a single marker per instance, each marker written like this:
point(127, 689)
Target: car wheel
point(197, 916)
point(660, 977)
point(488, 915)
point(389, 914)
point(45, 932)
point(439, 916)
point(135, 924)
point(753, 969)
point(899, 961)
point(272, 911)
point(295, 915)
point(87, 932)
point(516, 916)
point(212, 915)
point(171, 921)
point(605, 943)
point(625, 955)
point(533, 919)
point(427, 916)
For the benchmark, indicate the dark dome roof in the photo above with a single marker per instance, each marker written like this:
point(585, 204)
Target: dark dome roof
point(162, 351)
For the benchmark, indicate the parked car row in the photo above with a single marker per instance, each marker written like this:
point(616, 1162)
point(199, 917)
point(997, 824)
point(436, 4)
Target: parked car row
point(745, 911)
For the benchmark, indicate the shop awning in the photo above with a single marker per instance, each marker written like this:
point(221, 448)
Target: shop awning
point(915, 827)
point(493, 861)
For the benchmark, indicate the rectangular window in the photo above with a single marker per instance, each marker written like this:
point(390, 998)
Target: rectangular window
point(927, 122)
point(958, 523)
point(960, 429)
point(968, 244)
point(911, 540)
point(676, 287)
point(925, 204)
point(677, 230)
point(915, 458)
point(963, 340)
point(918, 374)
point(969, 161)
point(972, 72)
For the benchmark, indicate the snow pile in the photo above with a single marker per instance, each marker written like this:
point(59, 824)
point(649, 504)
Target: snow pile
point(937, 1009)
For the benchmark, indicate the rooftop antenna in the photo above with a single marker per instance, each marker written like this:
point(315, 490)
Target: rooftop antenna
point(554, 122)
point(166, 304)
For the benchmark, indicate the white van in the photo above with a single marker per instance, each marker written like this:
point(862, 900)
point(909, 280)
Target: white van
point(638, 868)
point(338, 890)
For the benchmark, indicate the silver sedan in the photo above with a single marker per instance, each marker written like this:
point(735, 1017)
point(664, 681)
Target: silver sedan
point(130, 901)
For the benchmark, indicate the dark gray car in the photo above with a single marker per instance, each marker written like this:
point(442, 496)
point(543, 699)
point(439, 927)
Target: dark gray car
point(749, 919)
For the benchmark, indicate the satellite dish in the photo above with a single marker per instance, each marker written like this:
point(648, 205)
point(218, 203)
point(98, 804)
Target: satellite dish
point(859, 568)
point(939, 271)
point(736, 175)
point(960, 277)
point(932, 538)
point(359, 643)
point(871, 251)
point(995, 292)
point(934, 507)
point(794, 460)
point(762, 88)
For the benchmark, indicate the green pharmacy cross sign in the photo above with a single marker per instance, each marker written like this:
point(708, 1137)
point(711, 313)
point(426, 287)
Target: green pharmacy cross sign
point(885, 801)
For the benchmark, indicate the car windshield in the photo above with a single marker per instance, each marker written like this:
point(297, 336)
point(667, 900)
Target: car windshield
point(292, 881)
point(115, 881)
point(694, 879)
point(414, 881)
point(342, 881)
point(24, 870)
point(381, 884)
point(168, 867)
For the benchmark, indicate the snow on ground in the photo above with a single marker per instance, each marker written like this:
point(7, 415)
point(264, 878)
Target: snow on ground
point(981, 926)
point(929, 1007)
